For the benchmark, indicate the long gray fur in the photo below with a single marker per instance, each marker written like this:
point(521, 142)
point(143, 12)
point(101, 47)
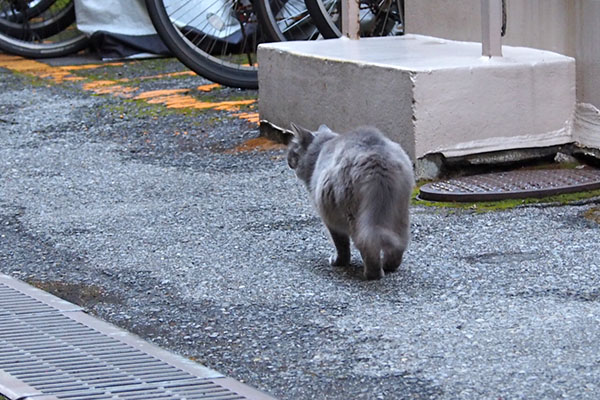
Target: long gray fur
point(360, 183)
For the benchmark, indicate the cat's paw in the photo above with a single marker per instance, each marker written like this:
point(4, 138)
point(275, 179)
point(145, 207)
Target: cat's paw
point(373, 274)
point(391, 268)
point(336, 261)
point(392, 261)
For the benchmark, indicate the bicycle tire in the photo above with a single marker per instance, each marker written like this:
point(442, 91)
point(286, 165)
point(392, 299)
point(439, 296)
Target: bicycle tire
point(27, 49)
point(284, 20)
point(50, 25)
point(378, 17)
point(211, 56)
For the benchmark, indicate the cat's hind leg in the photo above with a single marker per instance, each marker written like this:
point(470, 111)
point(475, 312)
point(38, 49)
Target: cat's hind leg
point(342, 247)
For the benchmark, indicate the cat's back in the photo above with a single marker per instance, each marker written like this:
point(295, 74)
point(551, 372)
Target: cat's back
point(357, 168)
point(368, 143)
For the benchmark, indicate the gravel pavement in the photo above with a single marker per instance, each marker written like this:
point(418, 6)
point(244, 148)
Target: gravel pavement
point(150, 219)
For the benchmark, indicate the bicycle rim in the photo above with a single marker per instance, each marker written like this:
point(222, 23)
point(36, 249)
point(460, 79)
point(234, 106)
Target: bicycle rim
point(284, 20)
point(45, 19)
point(217, 39)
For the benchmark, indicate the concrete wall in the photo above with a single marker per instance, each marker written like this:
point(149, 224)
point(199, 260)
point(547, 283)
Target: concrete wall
point(542, 24)
point(587, 16)
point(569, 27)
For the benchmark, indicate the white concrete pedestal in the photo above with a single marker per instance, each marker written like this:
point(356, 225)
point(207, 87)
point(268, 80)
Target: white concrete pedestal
point(430, 95)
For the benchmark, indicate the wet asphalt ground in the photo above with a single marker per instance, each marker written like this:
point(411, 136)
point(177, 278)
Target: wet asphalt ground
point(169, 217)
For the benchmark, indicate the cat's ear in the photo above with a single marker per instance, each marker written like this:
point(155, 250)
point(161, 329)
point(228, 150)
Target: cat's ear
point(303, 136)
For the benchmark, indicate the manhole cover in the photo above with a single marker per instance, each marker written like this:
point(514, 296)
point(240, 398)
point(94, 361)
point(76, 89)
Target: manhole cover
point(512, 185)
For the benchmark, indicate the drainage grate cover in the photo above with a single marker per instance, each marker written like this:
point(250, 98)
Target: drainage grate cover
point(512, 185)
point(50, 349)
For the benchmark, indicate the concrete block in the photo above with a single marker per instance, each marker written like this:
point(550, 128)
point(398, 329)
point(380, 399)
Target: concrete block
point(428, 94)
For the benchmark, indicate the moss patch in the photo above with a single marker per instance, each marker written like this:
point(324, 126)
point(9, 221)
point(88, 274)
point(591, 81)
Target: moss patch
point(34, 81)
point(593, 215)
point(80, 294)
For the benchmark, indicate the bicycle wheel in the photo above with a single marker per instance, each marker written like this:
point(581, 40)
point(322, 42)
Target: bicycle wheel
point(377, 17)
point(284, 20)
point(54, 35)
point(27, 23)
point(18, 11)
point(217, 39)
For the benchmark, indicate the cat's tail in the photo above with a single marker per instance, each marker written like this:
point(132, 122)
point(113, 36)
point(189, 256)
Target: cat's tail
point(376, 239)
point(381, 250)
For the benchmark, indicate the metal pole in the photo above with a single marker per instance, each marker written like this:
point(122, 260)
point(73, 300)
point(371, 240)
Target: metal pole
point(350, 19)
point(491, 28)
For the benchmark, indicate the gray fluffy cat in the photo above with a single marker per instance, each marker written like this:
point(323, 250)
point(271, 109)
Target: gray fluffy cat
point(361, 184)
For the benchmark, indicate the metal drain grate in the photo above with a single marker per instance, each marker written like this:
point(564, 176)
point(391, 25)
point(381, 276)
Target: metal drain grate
point(50, 349)
point(512, 185)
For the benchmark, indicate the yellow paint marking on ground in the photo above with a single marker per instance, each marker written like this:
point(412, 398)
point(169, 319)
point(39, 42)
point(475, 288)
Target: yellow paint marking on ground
point(256, 144)
point(232, 105)
point(249, 116)
point(209, 87)
point(174, 98)
point(90, 66)
point(7, 57)
point(96, 84)
point(60, 76)
point(116, 90)
point(177, 101)
point(35, 68)
point(159, 76)
point(63, 73)
point(168, 75)
point(171, 98)
point(109, 87)
point(160, 93)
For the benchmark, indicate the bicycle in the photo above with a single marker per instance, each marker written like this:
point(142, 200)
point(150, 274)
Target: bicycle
point(216, 39)
point(222, 49)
